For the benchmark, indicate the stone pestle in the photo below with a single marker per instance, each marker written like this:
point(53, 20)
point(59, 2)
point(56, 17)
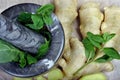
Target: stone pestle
point(20, 36)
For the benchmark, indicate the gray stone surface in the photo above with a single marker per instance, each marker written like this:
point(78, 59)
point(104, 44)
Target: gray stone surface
point(20, 36)
point(53, 54)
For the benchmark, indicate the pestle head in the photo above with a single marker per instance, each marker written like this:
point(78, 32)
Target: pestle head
point(20, 36)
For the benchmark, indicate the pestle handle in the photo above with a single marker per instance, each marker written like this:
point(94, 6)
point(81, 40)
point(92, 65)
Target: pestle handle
point(20, 36)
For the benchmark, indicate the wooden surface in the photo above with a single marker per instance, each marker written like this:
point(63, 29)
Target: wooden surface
point(114, 75)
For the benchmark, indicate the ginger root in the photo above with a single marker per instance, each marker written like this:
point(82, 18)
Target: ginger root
point(66, 11)
point(90, 18)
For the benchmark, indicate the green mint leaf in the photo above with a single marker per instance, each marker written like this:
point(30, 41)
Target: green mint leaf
point(31, 59)
point(48, 20)
point(46, 34)
point(16, 59)
point(30, 26)
point(107, 36)
point(97, 38)
point(43, 49)
point(24, 18)
point(7, 55)
point(22, 60)
point(104, 59)
point(95, 43)
point(89, 48)
point(7, 52)
point(111, 52)
point(37, 21)
point(46, 9)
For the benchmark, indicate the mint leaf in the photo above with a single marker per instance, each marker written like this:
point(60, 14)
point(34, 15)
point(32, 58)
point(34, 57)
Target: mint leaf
point(48, 20)
point(7, 55)
point(89, 48)
point(104, 59)
point(111, 52)
point(107, 36)
point(22, 61)
point(94, 42)
point(31, 26)
point(97, 38)
point(46, 9)
point(31, 59)
point(46, 34)
point(43, 49)
point(37, 22)
point(24, 18)
point(16, 59)
point(7, 52)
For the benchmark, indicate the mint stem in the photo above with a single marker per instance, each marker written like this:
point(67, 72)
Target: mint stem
point(83, 66)
point(98, 46)
point(88, 62)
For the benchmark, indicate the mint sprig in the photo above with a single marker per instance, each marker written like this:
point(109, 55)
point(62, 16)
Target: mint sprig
point(89, 48)
point(94, 44)
point(43, 49)
point(9, 53)
point(39, 19)
point(24, 18)
point(103, 59)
